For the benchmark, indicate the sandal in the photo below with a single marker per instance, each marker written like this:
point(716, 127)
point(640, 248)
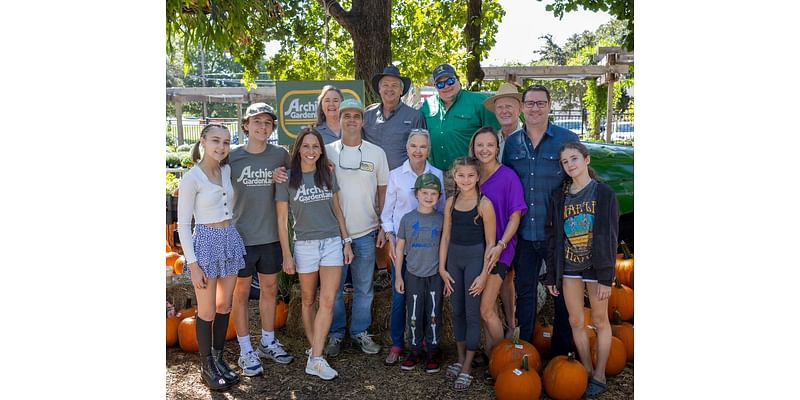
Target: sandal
point(453, 370)
point(463, 381)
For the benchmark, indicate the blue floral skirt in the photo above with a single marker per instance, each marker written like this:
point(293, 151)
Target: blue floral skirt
point(219, 251)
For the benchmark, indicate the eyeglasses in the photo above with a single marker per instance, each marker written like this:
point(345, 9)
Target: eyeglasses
point(530, 104)
point(450, 82)
point(348, 159)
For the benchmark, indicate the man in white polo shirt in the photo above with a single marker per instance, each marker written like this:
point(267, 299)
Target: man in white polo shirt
point(362, 172)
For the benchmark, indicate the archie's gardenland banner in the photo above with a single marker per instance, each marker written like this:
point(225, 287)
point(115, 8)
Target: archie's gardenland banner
point(297, 103)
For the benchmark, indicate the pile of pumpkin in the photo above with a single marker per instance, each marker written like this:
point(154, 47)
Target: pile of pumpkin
point(516, 365)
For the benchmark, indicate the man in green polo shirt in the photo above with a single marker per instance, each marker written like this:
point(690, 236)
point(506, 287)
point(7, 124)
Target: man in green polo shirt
point(453, 115)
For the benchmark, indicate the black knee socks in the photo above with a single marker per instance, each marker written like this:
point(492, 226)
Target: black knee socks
point(220, 330)
point(203, 330)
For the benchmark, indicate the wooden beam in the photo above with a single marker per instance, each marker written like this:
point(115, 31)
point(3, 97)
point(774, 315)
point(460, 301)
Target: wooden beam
point(552, 72)
point(223, 94)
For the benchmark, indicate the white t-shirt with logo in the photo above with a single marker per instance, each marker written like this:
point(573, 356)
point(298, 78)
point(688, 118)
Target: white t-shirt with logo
point(359, 181)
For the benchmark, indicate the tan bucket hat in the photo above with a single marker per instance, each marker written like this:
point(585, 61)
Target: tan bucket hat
point(505, 90)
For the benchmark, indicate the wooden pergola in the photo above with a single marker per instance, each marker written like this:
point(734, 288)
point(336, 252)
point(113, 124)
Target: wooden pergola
point(238, 95)
point(611, 61)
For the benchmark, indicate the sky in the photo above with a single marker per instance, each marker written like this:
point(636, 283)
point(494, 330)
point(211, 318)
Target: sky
point(526, 20)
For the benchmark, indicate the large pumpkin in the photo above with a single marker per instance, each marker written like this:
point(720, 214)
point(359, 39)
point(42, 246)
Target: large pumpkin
point(623, 331)
point(624, 266)
point(171, 258)
point(616, 356)
point(621, 299)
point(542, 334)
point(510, 352)
point(281, 314)
point(518, 383)
point(172, 330)
point(187, 335)
point(565, 378)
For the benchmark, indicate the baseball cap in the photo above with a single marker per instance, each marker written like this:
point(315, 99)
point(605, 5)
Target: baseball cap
point(351, 103)
point(428, 181)
point(443, 70)
point(259, 108)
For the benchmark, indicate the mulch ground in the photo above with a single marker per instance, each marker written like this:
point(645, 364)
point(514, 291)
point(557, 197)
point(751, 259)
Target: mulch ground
point(361, 376)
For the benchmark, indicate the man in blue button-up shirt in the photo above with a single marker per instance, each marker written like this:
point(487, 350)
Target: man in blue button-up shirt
point(533, 153)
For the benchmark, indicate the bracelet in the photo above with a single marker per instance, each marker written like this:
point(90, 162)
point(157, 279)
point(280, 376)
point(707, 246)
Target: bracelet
point(502, 243)
point(347, 240)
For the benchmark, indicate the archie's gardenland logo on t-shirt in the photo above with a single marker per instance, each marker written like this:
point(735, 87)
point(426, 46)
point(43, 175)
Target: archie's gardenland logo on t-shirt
point(255, 177)
point(311, 194)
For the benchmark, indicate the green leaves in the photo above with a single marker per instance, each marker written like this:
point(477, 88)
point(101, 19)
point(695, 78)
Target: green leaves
point(620, 9)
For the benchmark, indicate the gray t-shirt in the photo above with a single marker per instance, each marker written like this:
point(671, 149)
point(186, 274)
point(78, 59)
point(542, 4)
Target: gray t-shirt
point(312, 208)
point(578, 224)
point(422, 233)
point(254, 205)
point(391, 132)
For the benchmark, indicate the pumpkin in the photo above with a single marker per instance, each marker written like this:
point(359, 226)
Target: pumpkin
point(624, 332)
point(511, 351)
point(187, 311)
point(177, 268)
point(624, 266)
point(281, 314)
point(621, 299)
point(587, 316)
point(169, 248)
point(616, 356)
point(518, 383)
point(541, 337)
point(187, 335)
point(171, 258)
point(565, 378)
point(230, 333)
point(172, 330)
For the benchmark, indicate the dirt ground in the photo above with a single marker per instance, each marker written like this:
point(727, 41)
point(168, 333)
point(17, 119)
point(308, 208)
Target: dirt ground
point(361, 376)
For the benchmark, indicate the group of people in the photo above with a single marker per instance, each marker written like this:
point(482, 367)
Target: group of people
point(525, 206)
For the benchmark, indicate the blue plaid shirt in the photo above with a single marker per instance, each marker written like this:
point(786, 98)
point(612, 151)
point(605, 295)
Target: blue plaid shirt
point(539, 170)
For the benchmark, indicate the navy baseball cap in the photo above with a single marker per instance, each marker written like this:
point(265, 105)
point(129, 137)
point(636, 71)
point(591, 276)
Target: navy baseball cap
point(442, 70)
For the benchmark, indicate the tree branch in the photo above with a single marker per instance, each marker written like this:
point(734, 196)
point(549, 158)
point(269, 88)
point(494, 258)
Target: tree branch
point(338, 13)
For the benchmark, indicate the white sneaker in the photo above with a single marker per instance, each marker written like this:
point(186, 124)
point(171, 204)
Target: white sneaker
point(320, 368)
point(275, 352)
point(250, 364)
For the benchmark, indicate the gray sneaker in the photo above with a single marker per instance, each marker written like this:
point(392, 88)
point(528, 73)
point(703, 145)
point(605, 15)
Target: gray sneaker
point(333, 347)
point(368, 346)
point(275, 352)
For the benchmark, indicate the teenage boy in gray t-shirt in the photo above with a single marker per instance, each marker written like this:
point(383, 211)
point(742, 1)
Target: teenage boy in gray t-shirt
point(418, 244)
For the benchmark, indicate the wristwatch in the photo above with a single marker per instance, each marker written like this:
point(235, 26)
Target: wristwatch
point(347, 240)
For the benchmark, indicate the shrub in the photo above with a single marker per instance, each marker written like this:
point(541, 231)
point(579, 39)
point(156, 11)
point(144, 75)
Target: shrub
point(184, 147)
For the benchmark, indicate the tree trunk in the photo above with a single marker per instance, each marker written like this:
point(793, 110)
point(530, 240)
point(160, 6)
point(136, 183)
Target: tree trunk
point(368, 22)
point(472, 36)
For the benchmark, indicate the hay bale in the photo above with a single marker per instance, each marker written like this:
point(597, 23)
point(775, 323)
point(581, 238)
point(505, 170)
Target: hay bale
point(178, 293)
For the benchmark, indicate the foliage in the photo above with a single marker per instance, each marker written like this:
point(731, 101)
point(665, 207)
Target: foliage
point(184, 147)
point(170, 140)
point(620, 9)
point(172, 183)
point(235, 26)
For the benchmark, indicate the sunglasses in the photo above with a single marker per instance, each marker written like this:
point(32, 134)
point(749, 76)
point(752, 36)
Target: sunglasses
point(450, 82)
point(348, 159)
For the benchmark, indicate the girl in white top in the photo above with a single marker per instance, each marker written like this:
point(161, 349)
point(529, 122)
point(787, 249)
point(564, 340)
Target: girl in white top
point(214, 252)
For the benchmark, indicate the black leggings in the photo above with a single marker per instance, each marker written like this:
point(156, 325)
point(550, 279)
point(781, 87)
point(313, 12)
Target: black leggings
point(465, 263)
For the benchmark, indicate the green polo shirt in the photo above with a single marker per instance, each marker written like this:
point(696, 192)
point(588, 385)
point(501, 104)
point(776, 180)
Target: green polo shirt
point(451, 130)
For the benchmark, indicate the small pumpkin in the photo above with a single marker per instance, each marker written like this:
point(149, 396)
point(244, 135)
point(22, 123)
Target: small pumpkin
point(177, 268)
point(511, 351)
point(623, 331)
point(171, 258)
point(565, 378)
point(172, 330)
point(542, 335)
point(281, 314)
point(616, 356)
point(187, 335)
point(621, 299)
point(518, 383)
point(188, 310)
point(624, 265)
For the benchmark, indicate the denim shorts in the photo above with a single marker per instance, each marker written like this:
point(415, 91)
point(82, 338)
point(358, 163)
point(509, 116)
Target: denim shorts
point(587, 275)
point(310, 254)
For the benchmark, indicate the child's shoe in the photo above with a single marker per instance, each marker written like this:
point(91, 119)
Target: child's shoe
point(411, 361)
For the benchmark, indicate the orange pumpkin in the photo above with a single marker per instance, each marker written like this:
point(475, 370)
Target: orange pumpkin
point(616, 356)
point(541, 337)
point(179, 264)
point(188, 311)
point(587, 316)
point(518, 383)
point(281, 314)
point(621, 299)
point(230, 333)
point(565, 378)
point(623, 331)
point(624, 266)
point(172, 330)
point(171, 258)
point(169, 248)
point(187, 335)
point(510, 352)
